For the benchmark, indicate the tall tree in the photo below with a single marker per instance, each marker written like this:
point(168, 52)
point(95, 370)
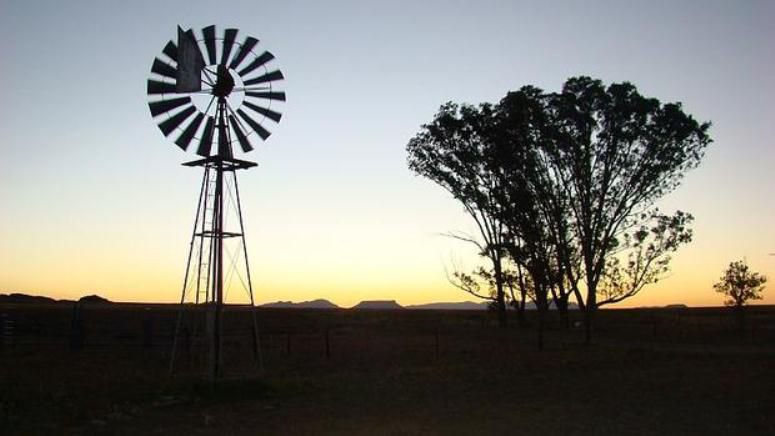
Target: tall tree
point(452, 151)
point(614, 153)
point(517, 134)
point(566, 183)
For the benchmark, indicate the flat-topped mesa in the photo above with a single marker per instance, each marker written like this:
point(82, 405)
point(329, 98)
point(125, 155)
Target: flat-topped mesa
point(378, 304)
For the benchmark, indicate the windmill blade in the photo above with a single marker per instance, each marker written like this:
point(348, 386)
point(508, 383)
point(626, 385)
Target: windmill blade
point(209, 35)
point(171, 50)
point(268, 77)
point(250, 42)
point(229, 35)
point(168, 125)
point(156, 87)
point(185, 138)
point(163, 69)
point(257, 62)
point(162, 106)
point(243, 140)
point(206, 142)
point(272, 115)
point(258, 128)
point(268, 95)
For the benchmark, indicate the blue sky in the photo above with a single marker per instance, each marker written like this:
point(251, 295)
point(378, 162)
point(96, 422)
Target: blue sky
point(94, 197)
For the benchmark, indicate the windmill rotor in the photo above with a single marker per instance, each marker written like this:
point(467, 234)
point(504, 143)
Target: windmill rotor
point(214, 91)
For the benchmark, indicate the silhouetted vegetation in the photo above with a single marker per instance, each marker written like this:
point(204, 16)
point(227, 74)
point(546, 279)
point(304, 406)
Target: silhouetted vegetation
point(740, 285)
point(454, 151)
point(562, 186)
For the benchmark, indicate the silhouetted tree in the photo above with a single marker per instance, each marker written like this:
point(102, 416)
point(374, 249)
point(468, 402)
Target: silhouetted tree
point(517, 134)
point(740, 285)
point(452, 151)
point(481, 284)
point(520, 288)
point(566, 184)
point(647, 250)
point(614, 153)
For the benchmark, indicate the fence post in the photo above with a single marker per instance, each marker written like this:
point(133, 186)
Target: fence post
point(148, 331)
point(753, 330)
point(76, 328)
point(436, 336)
point(288, 343)
point(187, 342)
point(6, 331)
point(254, 343)
point(328, 342)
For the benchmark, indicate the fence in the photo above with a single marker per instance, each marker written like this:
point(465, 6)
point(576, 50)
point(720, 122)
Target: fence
point(308, 336)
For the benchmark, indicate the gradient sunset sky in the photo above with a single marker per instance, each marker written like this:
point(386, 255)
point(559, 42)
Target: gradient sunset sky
point(93, 198)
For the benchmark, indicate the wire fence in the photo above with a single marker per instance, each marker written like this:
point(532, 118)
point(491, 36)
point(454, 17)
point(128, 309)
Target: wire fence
point(309, 336)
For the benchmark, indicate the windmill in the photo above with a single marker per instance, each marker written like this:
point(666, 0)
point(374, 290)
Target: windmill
point(218, 106)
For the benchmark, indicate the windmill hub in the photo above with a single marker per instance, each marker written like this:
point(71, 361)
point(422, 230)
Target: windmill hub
point(224, 82)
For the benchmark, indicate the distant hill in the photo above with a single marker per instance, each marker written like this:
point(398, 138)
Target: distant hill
point(24, 298)
point(16, 298)
point(471, 305)
point(378, 304)
point(462, 305)
point(320, 303)
point(93, 299)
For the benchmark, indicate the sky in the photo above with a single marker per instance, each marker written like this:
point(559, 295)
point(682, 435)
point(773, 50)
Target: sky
point(93, 198)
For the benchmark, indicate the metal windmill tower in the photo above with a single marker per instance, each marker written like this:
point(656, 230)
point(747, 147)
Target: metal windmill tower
point(216, 103)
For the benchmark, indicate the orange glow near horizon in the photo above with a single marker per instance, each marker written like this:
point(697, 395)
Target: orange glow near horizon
point(130, 279)
point(343, 256)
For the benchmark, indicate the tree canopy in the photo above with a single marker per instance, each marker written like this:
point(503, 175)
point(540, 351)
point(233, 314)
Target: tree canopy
point(566, 183)
point(740, 284)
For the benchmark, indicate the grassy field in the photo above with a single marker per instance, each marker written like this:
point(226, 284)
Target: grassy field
point(650, 371)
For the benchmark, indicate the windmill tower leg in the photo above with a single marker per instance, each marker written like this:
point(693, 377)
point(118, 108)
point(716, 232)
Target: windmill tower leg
point(216, 305)
point(179, 322)
point(258, 357)
point(209, 227)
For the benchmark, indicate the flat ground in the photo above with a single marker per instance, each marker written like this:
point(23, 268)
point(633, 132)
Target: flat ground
point(395, 372)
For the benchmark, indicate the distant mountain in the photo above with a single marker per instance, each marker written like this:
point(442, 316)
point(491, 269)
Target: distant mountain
point(378, 304)
point(314, 304)
point(470, 305)
point(463, 305)
point(39, 299)
point(24, 298)
point(93, 299)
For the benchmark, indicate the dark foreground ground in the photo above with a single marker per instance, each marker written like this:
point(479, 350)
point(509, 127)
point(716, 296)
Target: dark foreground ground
point(393, 373)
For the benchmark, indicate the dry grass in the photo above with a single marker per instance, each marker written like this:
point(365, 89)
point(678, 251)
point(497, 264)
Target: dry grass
point(650, 372)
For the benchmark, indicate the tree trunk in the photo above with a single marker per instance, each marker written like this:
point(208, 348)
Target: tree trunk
point(541, 328)
point(740, 318)
point(561, 303)
point(562, 309)
point(542, 307)
point(589, 313)
point(522, 297)
point(521, 311)
point(500, 293)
